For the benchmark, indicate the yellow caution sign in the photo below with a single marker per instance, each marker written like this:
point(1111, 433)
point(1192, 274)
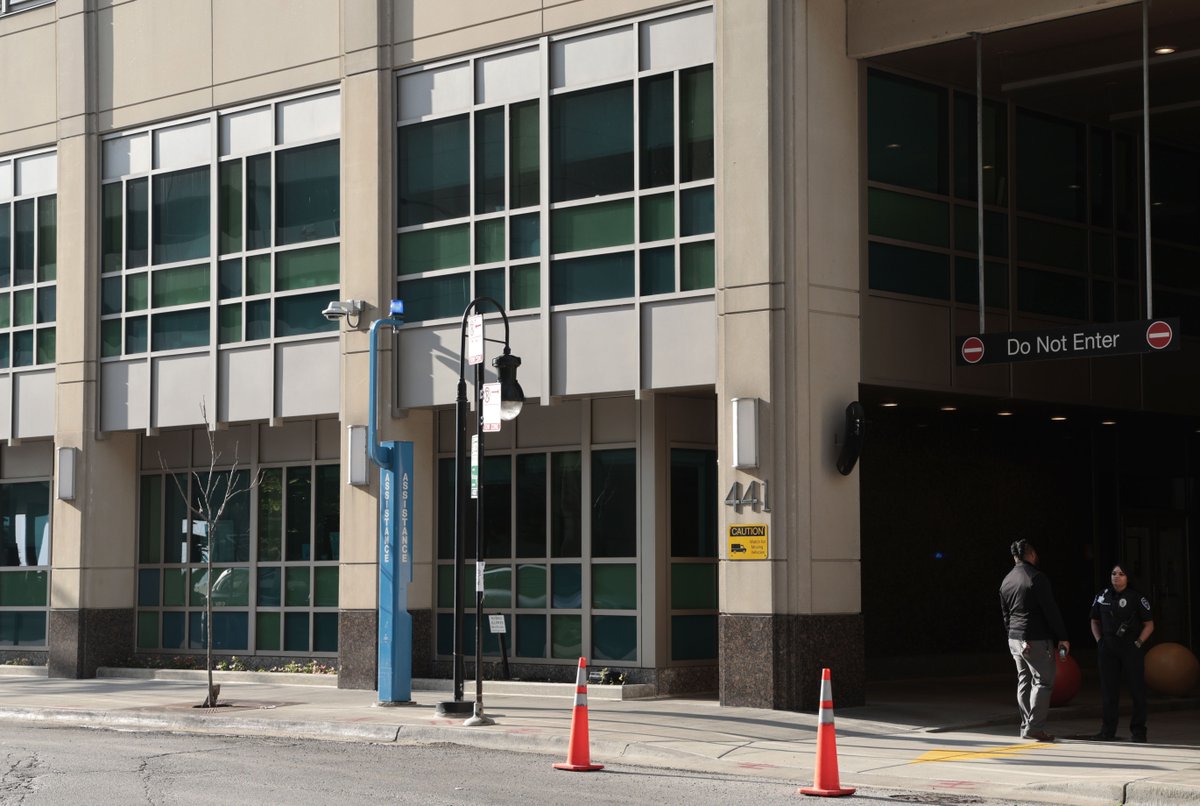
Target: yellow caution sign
point(747, 541)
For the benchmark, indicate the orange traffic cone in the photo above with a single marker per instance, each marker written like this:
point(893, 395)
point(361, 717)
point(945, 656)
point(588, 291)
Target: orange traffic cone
point(827, 784)
point(579, 757)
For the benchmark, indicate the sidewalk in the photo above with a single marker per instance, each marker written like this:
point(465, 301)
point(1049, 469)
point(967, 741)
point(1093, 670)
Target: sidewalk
point(954, 737)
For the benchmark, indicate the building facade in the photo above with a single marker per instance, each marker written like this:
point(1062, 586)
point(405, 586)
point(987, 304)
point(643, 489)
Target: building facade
point(680, 205)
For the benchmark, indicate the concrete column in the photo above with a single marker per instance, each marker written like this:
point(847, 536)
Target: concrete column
point(788, 279)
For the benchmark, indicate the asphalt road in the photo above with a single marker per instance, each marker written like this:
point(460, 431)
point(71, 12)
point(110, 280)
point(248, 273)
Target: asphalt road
point(62, 765)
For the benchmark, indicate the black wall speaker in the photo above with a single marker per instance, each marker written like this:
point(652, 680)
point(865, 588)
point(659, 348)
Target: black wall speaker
point(852, 440)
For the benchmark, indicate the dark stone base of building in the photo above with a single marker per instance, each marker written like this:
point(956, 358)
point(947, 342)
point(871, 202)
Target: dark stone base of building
point(358, 647)
point(80, 641)
point(671, 681)
point(775, 661)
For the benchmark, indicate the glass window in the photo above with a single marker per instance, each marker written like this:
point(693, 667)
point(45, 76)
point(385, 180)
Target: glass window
point(531, 505)
point(497, 506)
point(435, 297)
point(657, 270)
point(566, 495)
point(906, 133)
point(181, 215)
point(25, 511)
point(229, 205)
point(613, 510)
point(966, 282)
point(1052, 244)
point(489, 160)
point(1051, 166)
point(995, 150)
point(588, 279)
point(181, 286)
point(591, 142)
point(179, 329)
point(526, 289)
point(47, 238)
point(696, 211)
point(298, 517)
point(137, 223)
point(658, 131)
point(693, 503)
point(23, 242)
point(111, 240)
point(1052, 294)
point(696, 124)
point(592, 226)
point(614, 587)
point(434, 171)
point(489, 241)
point(614, 638)
point(693, 637)
point(301, 315)
point(525, 236)
point(433, 249)
point(909, 218)
point(697, 266)
point(524, 152)
point(307, 268)
point(307, 193)
point(229, 323)
point(490, 283)
point(258, 201)
point(908, 271)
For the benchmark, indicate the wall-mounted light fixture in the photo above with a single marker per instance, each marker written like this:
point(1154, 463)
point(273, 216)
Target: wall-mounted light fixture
point(745, 432)
point(66, 473)
point(356, 456)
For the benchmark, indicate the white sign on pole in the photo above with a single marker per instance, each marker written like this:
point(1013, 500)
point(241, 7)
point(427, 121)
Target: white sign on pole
point(491, 407)
point(475, 339)
point(479, 577)
point(496, 622)
point(474, 465)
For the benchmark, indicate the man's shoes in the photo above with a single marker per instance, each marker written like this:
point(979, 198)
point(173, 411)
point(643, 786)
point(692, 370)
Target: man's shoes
point(1039, 736)
point(1105, 737)
point(1138, 739)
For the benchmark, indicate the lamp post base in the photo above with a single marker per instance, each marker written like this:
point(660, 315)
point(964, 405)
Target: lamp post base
point(479, 719)
point(455, 708)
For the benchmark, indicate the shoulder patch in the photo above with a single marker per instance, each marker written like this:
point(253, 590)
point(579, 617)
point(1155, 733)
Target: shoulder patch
point(1145, 603)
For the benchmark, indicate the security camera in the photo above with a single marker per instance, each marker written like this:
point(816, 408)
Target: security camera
point(342, 309)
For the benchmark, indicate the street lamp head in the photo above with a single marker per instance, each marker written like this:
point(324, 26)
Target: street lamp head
point(512, 398)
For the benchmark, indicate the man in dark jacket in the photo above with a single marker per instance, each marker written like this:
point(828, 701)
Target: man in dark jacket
point(1034, 628)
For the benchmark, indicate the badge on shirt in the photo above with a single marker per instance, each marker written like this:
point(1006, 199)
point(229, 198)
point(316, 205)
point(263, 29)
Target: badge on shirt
point(1121, 602)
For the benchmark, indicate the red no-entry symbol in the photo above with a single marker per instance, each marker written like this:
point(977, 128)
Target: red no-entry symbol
point(972, 349)
point(1159, 335)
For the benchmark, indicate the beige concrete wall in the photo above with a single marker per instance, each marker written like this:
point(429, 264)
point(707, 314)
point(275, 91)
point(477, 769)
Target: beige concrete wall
point(27, 80)
point(884, 26)
point(788, 283)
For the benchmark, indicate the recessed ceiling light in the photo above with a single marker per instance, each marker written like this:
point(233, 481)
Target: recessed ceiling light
point(892, 145)
point(1058, 418)
point(949, 408)
point(1156, 204)
point(1108, 422)
point(1074, 187)
point(1164, 51)
point(987, 167)
point(1004, 413)
point(889, 405)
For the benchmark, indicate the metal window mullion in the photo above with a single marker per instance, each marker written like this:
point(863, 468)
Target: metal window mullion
point(676, 174)
point(214, 260)
point(544, 201)
point(585, 528)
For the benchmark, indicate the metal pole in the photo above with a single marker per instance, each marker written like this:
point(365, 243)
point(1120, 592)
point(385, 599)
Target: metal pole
point(478, 717)
point(979, 168)
point(460, 530)
point(1146, 151)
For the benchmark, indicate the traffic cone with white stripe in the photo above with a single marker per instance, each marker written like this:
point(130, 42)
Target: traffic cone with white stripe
point(827, 783)
point(579, 755)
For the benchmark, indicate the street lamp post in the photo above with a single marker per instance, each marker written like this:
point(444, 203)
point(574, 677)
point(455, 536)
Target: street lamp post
point(511, 399)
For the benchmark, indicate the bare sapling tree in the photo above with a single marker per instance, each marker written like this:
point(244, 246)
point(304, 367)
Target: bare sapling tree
point(213, 490)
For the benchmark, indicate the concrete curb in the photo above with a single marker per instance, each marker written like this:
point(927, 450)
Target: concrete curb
point(200, 676)
point(22, 671)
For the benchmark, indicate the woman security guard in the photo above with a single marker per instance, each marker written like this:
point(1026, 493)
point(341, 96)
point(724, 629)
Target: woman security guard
point(1121, 623)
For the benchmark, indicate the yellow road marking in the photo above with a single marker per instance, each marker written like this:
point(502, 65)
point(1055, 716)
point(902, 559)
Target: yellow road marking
point(973, 755)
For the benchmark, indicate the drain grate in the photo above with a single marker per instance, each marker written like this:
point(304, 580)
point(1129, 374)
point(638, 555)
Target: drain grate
point(938, 798)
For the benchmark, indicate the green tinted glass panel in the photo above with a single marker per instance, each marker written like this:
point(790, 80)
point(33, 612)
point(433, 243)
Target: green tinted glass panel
point(112, 242)
point(907, 142)
point(966, 282)
point(174, 586)
point(135, 335)
point(524, 154)
point(229, 278)
point(199, 586)
point(614, 587)
point(489, 241)
point(907, 218)
point(23, 242)
point(47, 261)
point(435, 297)
point(566, 586)
point(23, 307)
point(435, 166)
point(295, 632)
point(526, 286)
point(531, 586)
point(47, 340)
point(258, 320)
point(111, 295)
point(966, 231)
point(258, 274)
point(181, 215)
point(531, 480)
point(25, 513)
point(149, 587)
point(306, 268)
point(325, 580)
point(5, 246)
point(270, 592)
point(995, 150)
point(301, 315)
point(47, 304)
point(566, 517)
point(297, 587)
point(657, 270)
point(23, 628)
point(1052, 244)
point(525, 236)
point(147, 630)
point(697, 266)
point(231, 587)
point(445, 586)
point(229, 323)
point(693, 637)
point(178, 330)
point(588, 279)
point(432, 249)
point(325, 632)
point(1052, 294)
point(490, 283)
point(657, 142)
point(298, 522)
point(4, 350)
point(23, 348)
point(696, 211)
point(592, 226)
point(229, 204)
point(566, 636)
point(497, 586)
point(614, 638)
point(591, 142)
point(531, 636)
point(137, 291)
point(150, 520)
point(696, 123)
point(23, 589)
point(4, 311)
point(658, 217)
point(908, 271)
point(307, 193)
point(614, 522)
point(266, 633)
point(693, 586)
point(258, 201)
point(137, 223)
point(182, 286)
point(1051, 166)
point(489, 160)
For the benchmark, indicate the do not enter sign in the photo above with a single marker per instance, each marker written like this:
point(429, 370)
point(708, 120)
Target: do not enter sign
point(972, 350)
point(1159, 335)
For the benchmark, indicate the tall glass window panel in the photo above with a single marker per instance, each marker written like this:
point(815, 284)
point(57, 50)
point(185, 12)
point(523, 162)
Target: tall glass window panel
point(327, 534)
point(566, 511)
point(258, 201)
point(696, 124)
point(524, 154)
point(47, 259)
point(657, 130)
point(906, 133)
point(137, 223)
point(1101, 184)
point(23, 242)
point(995, 150)
point(270, 514)
point(5, 246)
point(1051, 166)
point(1127, 157)
point(497, 506)
point(591, 142)
point(434, 171)
point(298, 520)
point(531, 505)
point(697, 266)
point(489, 160)
point(25, 509)
point(307, 193)
point(966, 282)
point(613, 510)
point(693, 503)
point(1174, 179)
point(112, 241)
point(526, 286)
point(229, 207)
point(181, 215)
point(657, 270)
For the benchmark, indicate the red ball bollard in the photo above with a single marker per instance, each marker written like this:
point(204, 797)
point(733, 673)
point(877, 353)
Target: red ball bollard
point(1067, 681)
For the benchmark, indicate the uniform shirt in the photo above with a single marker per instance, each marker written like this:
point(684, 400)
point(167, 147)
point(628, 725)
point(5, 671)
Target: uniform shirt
point(1112, 609)
point(1029, 610)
